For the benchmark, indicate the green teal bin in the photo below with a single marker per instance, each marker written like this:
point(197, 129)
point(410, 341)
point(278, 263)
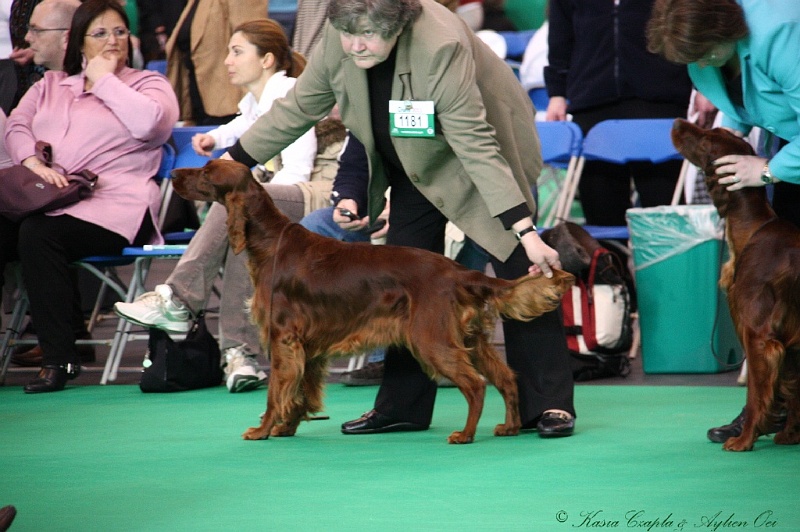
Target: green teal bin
point(684, 318)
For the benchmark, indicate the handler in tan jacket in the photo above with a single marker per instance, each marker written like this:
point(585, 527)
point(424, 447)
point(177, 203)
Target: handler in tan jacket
point(448, 126)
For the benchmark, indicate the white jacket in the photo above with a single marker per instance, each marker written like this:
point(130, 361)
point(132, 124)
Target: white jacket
point(297, 159)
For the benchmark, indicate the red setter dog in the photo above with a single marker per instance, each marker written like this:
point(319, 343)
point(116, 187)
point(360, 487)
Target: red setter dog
point(317, 298)
point(762, 280)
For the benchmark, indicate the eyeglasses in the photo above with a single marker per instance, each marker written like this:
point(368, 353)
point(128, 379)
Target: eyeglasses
point(103, 35)
point(33, 30)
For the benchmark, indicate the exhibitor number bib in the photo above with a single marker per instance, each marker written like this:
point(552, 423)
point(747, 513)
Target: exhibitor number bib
point(411, 118)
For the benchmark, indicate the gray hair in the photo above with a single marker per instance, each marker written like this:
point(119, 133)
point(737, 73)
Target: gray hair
point(389, 17)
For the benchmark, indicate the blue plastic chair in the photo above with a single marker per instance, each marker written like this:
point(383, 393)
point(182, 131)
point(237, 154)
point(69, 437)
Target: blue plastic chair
point(181, 136)
point(103, 268)
point(157, 65)
point(561, 148)
point(623, 141)
point(516, 42)
point(539, 98)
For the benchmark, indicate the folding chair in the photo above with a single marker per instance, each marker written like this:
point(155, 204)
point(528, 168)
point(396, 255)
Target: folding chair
point(540, 99)
point(103, 268)
point(182, 135)
point(622, 141)
point(516, 42)
point(561, 148)
point(157, 65)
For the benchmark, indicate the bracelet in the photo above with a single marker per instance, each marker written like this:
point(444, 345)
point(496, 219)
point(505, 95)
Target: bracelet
point(34, 165)
point(524, 232)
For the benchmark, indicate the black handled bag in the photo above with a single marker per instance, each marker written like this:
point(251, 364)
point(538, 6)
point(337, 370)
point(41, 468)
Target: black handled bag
point(25, 193)
point(597, 310)
point(177, 366)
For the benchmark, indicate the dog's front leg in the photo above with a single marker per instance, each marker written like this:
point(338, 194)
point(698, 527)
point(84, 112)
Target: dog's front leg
point(285, 402)
point(268, 420)
point(790, 435)
point(764, 359)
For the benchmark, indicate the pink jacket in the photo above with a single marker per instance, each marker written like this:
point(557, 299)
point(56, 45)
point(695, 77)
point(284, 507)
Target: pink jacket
point(115, 130)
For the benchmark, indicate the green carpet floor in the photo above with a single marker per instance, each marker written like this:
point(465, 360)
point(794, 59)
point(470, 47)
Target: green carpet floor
point(112, 458)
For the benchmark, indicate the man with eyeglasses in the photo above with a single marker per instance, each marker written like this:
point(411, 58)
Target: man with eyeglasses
point(48, 31)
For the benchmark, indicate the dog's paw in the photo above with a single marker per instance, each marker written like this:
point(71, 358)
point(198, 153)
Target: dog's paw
point(460, 437)
point(738, 444)
point(255, 433)
point(506, 430)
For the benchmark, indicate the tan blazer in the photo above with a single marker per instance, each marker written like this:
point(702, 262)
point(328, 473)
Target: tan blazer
point(486, 154)
point(212, 27)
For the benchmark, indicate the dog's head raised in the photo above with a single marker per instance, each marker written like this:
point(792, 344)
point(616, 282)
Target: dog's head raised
point(702, 147)
point(223, 181)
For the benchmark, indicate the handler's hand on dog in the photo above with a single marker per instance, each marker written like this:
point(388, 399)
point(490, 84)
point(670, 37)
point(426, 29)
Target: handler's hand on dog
point(543, 257)
point(740, 171)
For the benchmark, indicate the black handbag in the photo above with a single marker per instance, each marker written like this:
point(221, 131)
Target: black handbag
point(25, 193)
point(177, 366)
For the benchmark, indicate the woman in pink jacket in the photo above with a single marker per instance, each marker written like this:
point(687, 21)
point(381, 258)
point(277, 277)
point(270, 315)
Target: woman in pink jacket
point(99, 115)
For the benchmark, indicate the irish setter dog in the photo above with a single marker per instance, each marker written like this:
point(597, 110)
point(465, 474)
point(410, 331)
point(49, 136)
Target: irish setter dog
point(317, 298)
point(762, 280)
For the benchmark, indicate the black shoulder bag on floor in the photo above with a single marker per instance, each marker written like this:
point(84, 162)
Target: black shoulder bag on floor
point(177, 366)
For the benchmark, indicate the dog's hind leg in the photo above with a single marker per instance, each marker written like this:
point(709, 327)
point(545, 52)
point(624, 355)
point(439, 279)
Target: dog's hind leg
point(488, 363)
point(454, 364)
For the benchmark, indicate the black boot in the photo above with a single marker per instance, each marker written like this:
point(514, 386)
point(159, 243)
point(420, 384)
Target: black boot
point(53, 378)
point(734, 428)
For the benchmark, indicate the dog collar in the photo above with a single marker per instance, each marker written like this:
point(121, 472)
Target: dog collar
point(766, 175)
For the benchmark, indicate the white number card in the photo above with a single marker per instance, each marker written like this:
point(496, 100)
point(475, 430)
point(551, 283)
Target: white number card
point(411, 118)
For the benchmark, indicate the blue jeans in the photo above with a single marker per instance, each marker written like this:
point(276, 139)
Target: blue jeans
point(321, 222)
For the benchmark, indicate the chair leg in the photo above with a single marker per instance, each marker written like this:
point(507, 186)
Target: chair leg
point(141, 268)
point(13, 331)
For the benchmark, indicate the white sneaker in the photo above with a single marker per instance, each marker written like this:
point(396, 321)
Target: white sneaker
point(241, 370)
point(157, 309)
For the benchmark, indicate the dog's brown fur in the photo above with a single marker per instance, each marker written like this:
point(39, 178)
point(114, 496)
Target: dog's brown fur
point(316, 298)
point(762, 280)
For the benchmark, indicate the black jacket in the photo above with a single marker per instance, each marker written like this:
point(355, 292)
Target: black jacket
point(352, 178)
point(598, 55)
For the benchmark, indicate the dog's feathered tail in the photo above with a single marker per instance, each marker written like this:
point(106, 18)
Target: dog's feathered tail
point(531, 296)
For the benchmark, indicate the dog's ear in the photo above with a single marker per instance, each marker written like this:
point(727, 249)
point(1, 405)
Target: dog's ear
point(234, 202)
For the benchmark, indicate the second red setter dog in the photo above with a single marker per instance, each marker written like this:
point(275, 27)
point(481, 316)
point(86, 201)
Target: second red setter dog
point(762, 280)
point(316, 298)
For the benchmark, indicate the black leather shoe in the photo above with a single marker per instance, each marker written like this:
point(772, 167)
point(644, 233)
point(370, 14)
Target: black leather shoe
point(7, 515)
point(30, 357)
point(52, 378)
point(555, 425)
point(373, 422)
point(734, 428)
